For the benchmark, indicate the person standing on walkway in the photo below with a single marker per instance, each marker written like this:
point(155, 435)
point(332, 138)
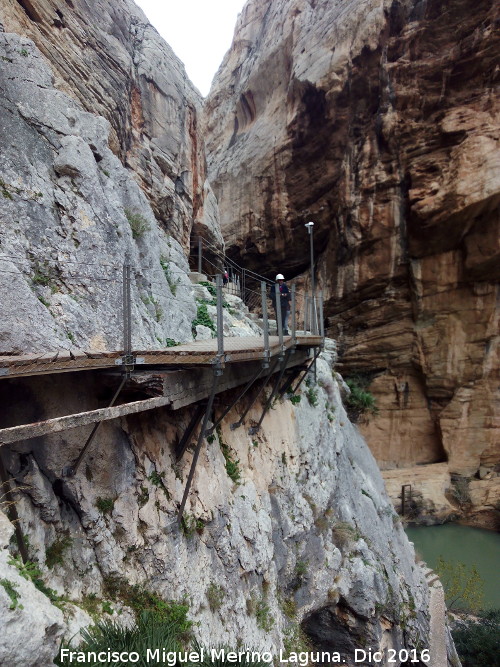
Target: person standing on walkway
point(284, 294)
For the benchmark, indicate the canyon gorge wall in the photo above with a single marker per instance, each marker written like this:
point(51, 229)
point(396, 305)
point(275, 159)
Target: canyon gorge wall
point(379, 121)
point(110, 59)
point(308, 532)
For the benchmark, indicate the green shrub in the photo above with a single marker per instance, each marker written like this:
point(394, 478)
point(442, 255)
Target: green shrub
point(44, 301)
point(141, 600)
point(210, 287)
point(294, 398)
point(10, 588)
point(91, 604)
point(105, 505)
point(156, 479)
point(232, 465)
point(263, 615)
point(43, 274)
point(172, 283)
point(54, 555)
point(477, 641)
point(359, 400)
point(322, 523)
point(143, 496)
point(149, 632)
point(202, 317)
point(295, 640)
point(107, 608)
point(170, 342)
point(31, 571)
point(191, 524)
point(312, 396)
point(158, 310)
point(289, 608)
point(344, 534)
point(215, 596)
point(138, 223)
point(3, 185)
point(301, 568)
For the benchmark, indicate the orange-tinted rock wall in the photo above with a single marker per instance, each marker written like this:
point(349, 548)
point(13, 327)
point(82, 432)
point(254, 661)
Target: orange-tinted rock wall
point(381, 124)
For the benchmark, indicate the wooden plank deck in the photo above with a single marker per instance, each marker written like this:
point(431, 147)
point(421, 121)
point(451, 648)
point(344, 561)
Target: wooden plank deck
point(202, 353)
point(180, 388)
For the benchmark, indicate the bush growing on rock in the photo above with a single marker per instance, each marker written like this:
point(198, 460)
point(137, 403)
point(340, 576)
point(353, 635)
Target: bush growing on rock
point(359, 400)
point(138, 223)
point(477, 640)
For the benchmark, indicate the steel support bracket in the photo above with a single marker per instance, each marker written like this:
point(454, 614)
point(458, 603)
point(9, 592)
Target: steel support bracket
point(201, 436)
point(237, 424)
point(129, 360)
point(283, 360)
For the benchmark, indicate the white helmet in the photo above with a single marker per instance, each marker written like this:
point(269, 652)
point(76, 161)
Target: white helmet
point(280, 276)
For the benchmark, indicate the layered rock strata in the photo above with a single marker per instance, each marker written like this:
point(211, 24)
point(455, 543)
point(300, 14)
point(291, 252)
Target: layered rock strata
point(379, 121)
point(109, 58)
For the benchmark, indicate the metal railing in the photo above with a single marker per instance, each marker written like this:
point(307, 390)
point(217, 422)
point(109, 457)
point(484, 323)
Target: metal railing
point(127, 293)
point(244, 282)
point(247, 285)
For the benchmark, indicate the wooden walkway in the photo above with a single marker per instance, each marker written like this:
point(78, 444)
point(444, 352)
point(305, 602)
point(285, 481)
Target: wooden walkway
point(201, 353)
point(174, 377)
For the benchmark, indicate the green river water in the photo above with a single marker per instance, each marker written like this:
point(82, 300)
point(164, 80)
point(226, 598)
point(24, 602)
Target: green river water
point(472, 546)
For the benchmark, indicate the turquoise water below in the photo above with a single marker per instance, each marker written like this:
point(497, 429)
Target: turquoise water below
point(472, 546)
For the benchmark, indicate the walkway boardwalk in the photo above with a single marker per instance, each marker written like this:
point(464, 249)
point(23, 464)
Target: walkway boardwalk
point(202, 353)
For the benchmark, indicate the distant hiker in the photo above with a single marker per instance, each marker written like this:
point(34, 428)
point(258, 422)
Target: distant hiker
point(284, 301)
point(225, 278)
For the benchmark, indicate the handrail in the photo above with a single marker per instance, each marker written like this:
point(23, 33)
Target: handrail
point(230, 262)
point(244, 279)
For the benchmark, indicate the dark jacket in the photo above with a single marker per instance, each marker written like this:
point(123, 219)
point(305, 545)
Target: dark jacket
point(285, 295)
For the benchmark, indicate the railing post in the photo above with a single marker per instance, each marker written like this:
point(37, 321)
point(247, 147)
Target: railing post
point(294, 318)
point(321, 320)
point(311, 303)
point(220, 321)
point(199, 254)
point(128, 362)
point(279, 323)
point(265, 322)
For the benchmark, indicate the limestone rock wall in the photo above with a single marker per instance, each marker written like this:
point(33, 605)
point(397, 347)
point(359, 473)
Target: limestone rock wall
point(70, 216)
point(107, 56)
point(379, 121)
point(309, 527)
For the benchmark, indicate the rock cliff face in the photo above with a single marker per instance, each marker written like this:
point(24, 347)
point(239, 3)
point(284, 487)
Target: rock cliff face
point(71, 215)
point(308, 533)
point(379, 121)
point(109, 58)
